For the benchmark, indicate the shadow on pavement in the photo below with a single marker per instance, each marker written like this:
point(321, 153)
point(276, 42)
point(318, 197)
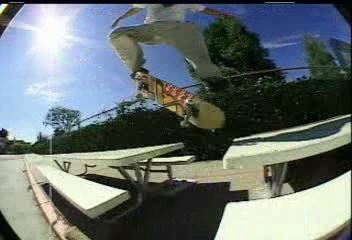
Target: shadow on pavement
point(192, 214)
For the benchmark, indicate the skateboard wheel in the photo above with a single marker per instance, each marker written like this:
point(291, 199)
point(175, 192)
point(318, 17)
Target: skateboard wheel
point(185, 124)
point(189, 102)
point(143, 86)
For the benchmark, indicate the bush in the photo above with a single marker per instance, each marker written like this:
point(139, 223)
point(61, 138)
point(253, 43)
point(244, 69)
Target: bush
point(19, 148)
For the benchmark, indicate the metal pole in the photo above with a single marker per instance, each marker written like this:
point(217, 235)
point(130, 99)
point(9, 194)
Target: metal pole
point(279, 175)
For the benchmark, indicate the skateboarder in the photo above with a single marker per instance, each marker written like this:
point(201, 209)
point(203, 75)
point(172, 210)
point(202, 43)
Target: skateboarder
point(165, 24)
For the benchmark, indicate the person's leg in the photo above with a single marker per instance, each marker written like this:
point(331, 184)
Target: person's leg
point(125, 43)
point(189, 40)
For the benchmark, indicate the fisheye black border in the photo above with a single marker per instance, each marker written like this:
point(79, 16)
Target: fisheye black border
point(335, 2)
point(342, 6)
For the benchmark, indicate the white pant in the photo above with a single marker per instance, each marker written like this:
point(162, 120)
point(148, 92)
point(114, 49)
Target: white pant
point(185, 37)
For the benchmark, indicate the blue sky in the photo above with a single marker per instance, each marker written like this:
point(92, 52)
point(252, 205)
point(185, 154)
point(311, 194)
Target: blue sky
point(87, 75)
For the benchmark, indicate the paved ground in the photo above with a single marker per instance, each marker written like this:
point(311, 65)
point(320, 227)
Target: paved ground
point(17, 203)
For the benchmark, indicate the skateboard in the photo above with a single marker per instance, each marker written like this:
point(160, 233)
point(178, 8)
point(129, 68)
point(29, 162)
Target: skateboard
point(190, 107)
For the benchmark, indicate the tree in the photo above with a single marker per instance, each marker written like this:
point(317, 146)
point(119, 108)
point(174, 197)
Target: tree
point(236, 50)
point(61, 119)
point(133, 105)
point(317, 55)
point(19, 148)
point(41, 137)
point(3, 133)
point(3, 140)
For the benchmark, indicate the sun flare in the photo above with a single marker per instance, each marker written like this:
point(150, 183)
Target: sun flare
point(51, 34)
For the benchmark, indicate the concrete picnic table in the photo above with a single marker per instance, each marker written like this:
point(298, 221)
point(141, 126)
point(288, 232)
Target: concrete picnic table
point(100, 198)
point(121, 160)
point(277, 148)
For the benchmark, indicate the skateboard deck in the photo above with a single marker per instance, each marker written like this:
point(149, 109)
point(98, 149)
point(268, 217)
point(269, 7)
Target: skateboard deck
point(200, 113)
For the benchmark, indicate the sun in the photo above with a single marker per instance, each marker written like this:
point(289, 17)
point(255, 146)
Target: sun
point(51, 34)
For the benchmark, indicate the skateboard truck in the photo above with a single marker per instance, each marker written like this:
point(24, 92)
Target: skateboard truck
point(191, 111)
point(191, 108)
point(141, 86)
point(185, 123)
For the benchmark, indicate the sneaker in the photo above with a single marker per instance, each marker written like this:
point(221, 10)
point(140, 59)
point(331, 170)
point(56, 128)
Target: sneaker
point(141, 70)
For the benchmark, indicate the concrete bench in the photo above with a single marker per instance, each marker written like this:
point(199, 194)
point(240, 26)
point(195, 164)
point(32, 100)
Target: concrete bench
point(316, 213)
point(168, 162)
point(93, 199)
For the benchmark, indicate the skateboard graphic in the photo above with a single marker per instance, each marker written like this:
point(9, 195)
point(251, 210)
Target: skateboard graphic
point(186, 105)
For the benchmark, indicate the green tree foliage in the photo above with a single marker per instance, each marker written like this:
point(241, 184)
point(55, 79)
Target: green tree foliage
point(3, 140)
point(236, 50)
point(317, 55)
point(61, 119)
point(19, 148)
point(3, 133)
point(41, 137)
